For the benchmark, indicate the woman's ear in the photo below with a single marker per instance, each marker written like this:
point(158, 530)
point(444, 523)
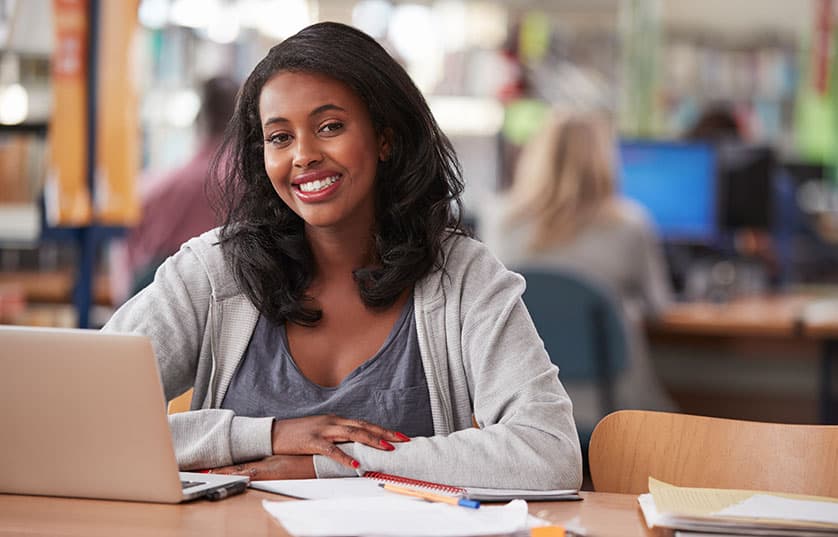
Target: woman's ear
point(385, 140)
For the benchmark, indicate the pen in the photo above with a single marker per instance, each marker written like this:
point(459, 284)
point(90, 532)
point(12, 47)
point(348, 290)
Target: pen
point(431, 497)
point(229, 490)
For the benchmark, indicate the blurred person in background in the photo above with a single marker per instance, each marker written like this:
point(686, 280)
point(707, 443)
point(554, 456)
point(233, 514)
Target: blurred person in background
point(175, 206)
point(790, 242)
point(717, 123)
point(563, 210)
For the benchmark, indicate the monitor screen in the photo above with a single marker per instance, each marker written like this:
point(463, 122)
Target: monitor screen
point(676, 183)
point(746, 179)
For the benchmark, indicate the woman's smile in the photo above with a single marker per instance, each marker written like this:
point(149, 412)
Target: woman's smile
point(316, 186)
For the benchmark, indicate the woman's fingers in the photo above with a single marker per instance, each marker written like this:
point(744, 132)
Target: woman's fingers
point(348, 433)
point(367, 433)
point(306, 435)
point(387, 434)
point(330, 450)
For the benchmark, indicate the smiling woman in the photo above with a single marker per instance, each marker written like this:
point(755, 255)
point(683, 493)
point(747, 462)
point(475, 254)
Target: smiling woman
point(340, 320)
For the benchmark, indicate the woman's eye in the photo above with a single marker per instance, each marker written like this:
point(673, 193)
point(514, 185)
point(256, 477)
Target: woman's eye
point(278, 138)
point(332, 127)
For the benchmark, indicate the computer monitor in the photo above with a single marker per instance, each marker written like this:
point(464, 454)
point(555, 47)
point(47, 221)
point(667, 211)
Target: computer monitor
point(746, 186)
point(803, 172)
point(676, 183)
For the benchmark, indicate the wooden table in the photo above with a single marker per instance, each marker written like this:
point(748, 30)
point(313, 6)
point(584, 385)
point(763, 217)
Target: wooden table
point(820, 323)
point(766, 316)
point(789, 317)
point(601, 514)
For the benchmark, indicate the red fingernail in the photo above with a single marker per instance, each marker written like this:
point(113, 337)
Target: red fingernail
point(203, 471)
point(402, 437)
point(356, 464)
point(387, 445)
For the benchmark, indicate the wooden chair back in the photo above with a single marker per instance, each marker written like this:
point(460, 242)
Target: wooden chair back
point(181, 403)
point(628, 446)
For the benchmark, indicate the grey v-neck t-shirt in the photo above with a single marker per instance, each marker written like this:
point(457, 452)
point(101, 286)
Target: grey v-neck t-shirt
point(389, 389)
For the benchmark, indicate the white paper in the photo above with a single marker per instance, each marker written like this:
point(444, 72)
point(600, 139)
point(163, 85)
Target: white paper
point(767, 506)
point(322, 489)
point(395, 517)
point(649, 509)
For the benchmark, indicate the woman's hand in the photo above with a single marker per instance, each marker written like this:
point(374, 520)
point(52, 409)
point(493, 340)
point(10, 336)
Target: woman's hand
point(274, 467)
point(317, 435)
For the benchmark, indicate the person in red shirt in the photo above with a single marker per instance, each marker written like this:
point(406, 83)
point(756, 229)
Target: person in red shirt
point(175, 206)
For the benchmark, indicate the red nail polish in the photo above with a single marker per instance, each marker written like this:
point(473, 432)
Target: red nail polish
point(356, 464)
point(203, 471)
point(402, 437)
point(387, 445)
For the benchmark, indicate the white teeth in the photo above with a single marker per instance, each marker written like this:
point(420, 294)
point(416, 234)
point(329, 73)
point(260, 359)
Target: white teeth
point(320, 184)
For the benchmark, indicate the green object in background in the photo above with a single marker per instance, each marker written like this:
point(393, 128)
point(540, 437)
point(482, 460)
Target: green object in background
point(523, 118)
point(815, 110)
point(640, 29)
point(814, 126)
point(534, 37)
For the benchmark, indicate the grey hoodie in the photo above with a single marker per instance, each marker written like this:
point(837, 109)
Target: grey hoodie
point(480, 351)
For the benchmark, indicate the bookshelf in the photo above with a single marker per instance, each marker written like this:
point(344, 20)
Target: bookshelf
point(22, 155)
point(757, 75)
point(70, 287)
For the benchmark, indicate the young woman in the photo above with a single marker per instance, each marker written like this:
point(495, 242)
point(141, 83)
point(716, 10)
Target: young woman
point(338, 322)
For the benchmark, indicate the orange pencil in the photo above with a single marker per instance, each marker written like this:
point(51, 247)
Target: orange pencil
point(431, 497)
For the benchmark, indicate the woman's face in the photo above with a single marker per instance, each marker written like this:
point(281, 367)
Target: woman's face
point(321, 150)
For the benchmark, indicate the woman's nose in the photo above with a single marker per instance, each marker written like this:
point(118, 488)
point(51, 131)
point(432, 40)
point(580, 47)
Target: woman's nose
point(307, 152)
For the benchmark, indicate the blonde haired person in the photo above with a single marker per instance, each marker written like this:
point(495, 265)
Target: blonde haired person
point(563, 210)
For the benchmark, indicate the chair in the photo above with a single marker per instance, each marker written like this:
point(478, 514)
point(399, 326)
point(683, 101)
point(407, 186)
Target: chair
point(583, 329)
point(695, 451)
point(181, 402)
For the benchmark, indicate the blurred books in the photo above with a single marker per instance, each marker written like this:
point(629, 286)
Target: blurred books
point(22, 172)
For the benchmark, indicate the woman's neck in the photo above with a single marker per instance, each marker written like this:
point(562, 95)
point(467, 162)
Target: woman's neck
point(338, 252)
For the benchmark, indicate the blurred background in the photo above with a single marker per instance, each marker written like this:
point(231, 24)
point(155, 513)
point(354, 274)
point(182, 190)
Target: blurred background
point(101, 103)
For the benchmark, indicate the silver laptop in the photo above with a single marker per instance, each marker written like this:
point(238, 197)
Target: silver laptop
point(82, 414)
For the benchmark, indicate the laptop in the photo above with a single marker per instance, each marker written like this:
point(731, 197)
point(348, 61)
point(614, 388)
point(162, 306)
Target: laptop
point(82, 414)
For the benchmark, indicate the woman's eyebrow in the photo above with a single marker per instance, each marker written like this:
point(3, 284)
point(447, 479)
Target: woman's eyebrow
point(319, 110)
point(324, 108)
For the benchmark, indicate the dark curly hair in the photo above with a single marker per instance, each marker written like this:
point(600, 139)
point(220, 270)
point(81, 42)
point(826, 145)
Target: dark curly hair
point(417, 207)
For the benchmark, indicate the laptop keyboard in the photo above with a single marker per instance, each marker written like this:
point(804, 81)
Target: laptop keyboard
point(189, 484)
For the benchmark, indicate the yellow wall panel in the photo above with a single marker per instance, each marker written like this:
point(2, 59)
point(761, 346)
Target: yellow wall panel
point(117, 122)
point(67, 195)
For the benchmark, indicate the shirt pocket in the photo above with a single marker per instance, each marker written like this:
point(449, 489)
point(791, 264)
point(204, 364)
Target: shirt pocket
point(406, 410)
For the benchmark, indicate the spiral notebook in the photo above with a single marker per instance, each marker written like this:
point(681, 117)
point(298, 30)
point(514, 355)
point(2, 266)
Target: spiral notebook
point(366, 486)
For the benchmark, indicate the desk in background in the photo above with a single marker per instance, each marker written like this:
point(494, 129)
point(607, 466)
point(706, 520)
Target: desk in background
point(796, 320)
point(601, 514)
point(820, 323)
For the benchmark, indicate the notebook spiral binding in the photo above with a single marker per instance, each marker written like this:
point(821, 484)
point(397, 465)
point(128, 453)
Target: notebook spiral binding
point(416, 483)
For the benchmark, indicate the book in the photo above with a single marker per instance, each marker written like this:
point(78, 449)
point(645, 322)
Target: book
point(479, 493)
point(367, 486)
point(737, 512)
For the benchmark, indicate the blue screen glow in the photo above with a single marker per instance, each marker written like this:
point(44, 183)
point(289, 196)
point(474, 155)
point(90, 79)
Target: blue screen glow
point(676, 183)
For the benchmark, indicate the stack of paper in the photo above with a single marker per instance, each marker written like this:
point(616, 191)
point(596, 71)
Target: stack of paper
point(397, 517)
point(738, 512)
